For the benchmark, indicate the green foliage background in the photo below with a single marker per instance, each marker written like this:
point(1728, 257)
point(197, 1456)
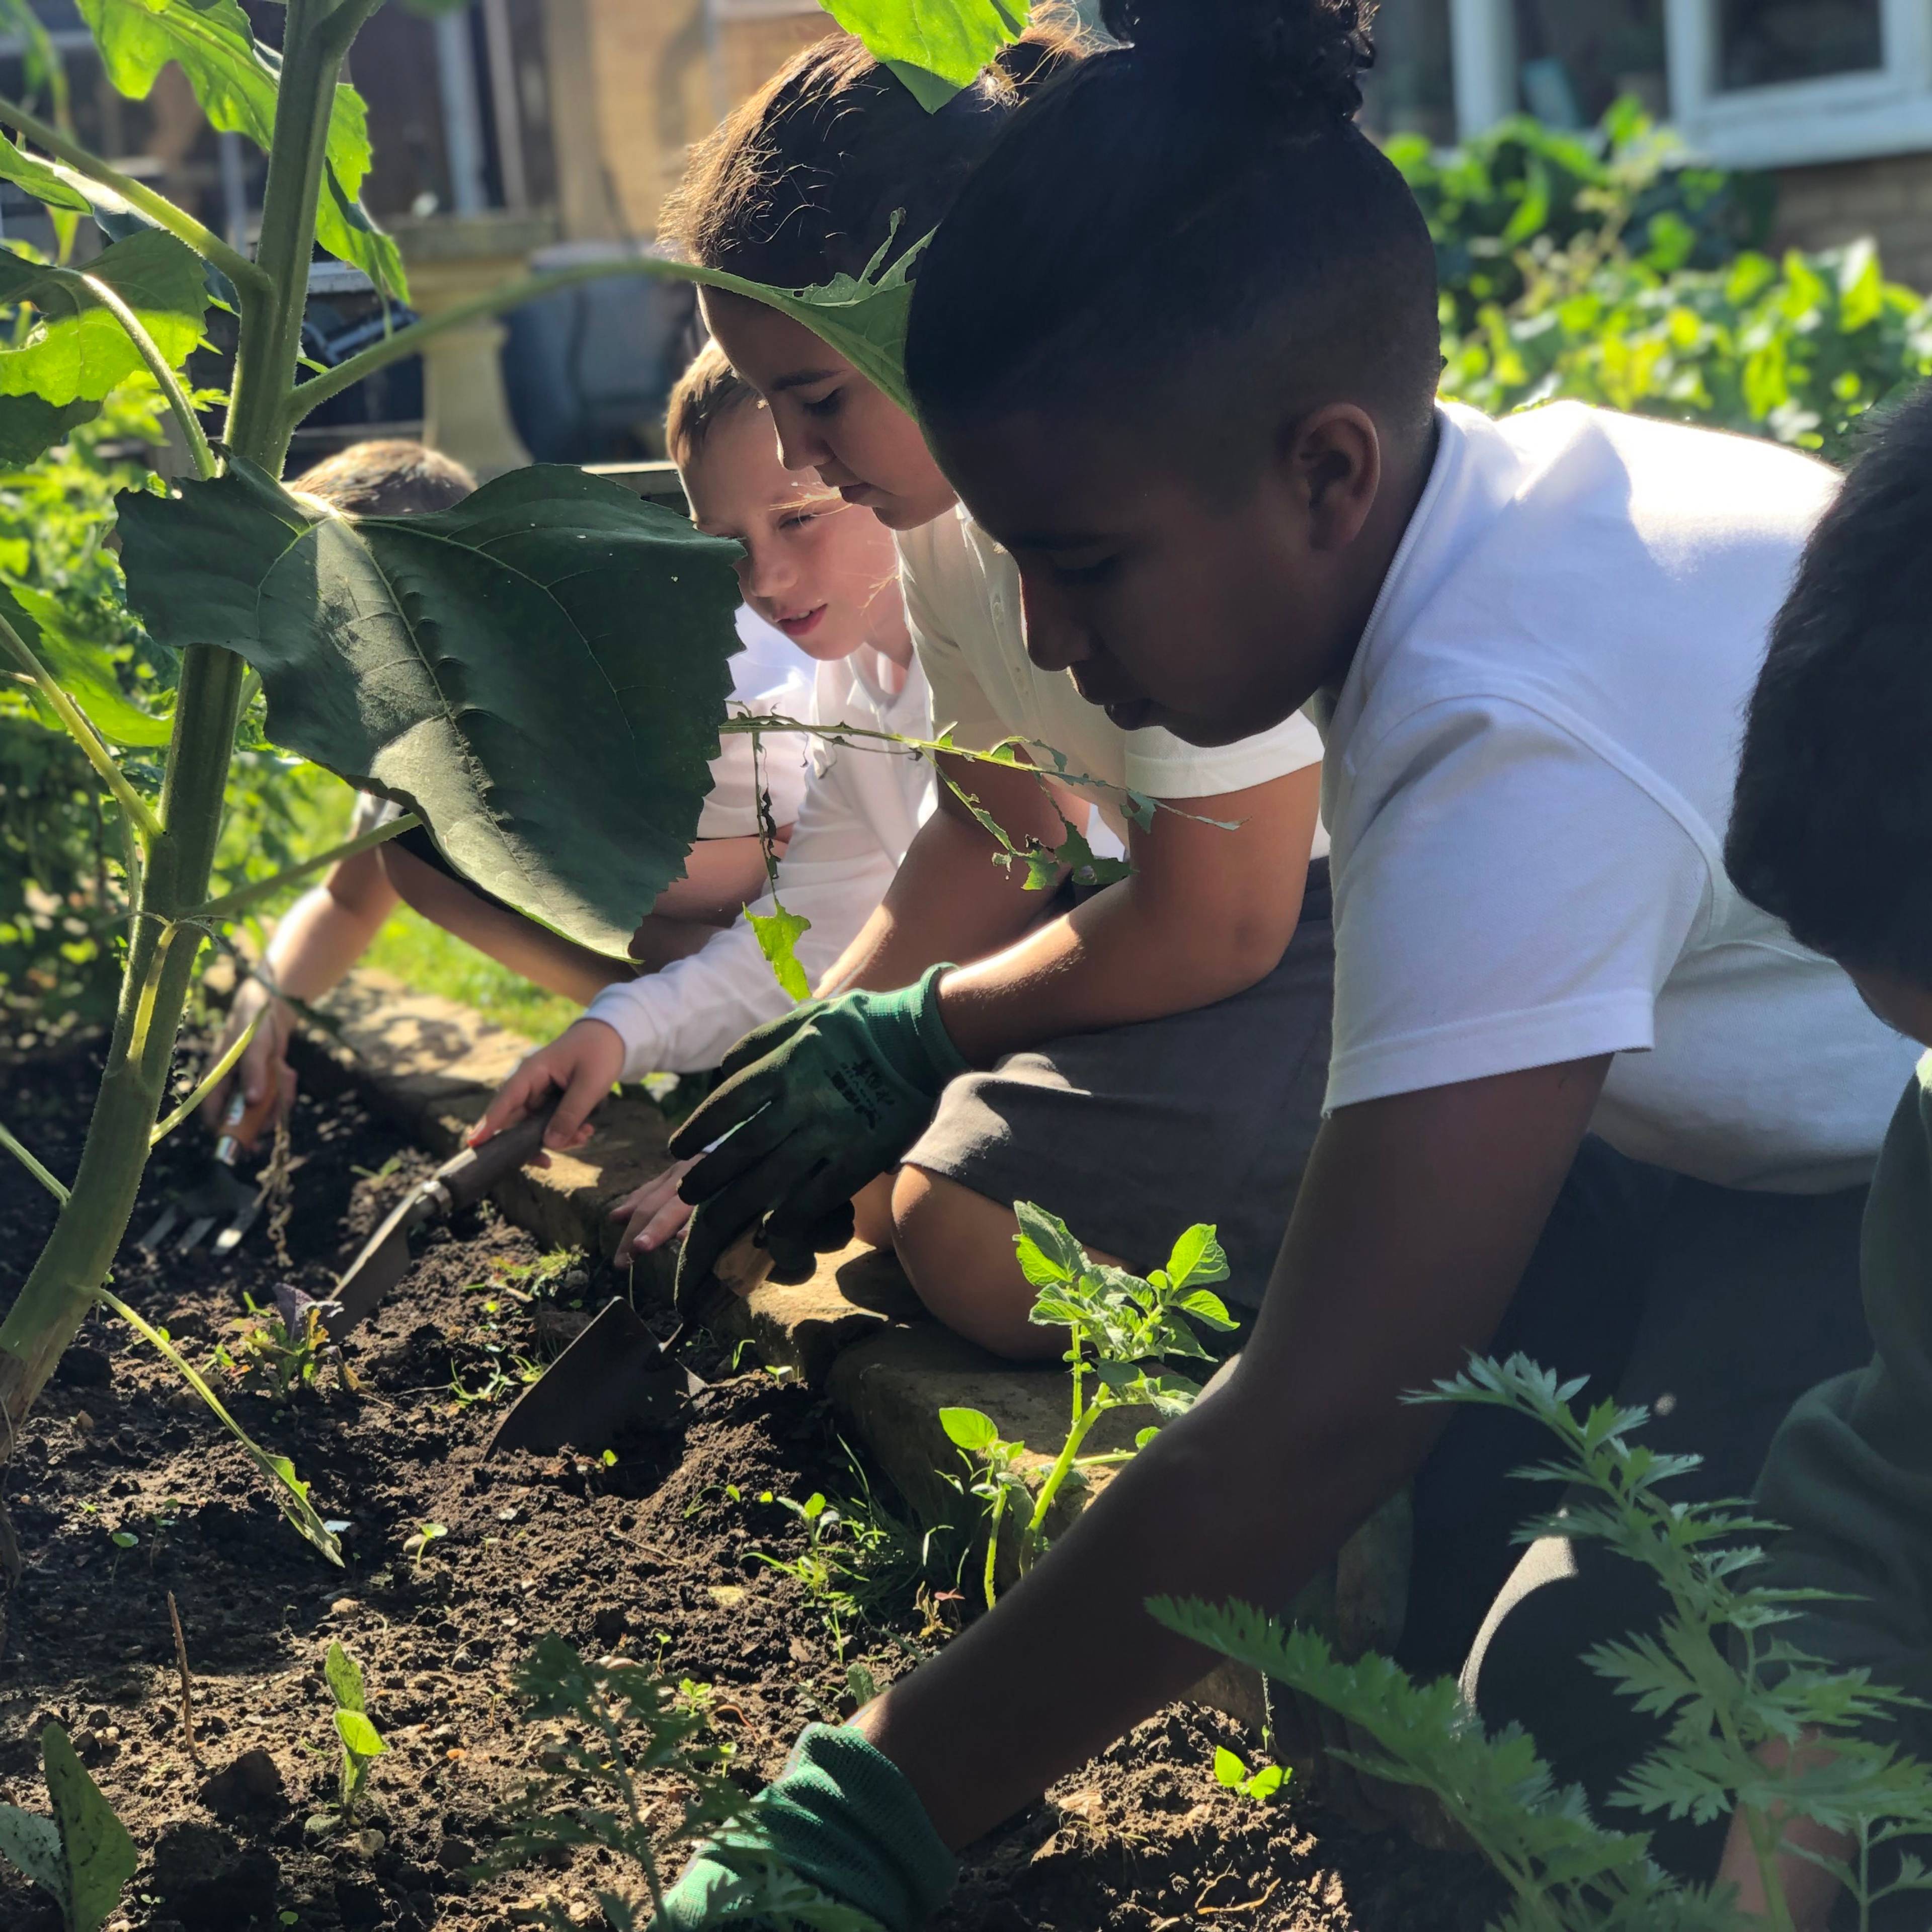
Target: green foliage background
point(1601, 268)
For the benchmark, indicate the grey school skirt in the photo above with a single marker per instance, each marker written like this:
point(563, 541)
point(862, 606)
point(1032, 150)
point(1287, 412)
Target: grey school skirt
point(1132, 1134)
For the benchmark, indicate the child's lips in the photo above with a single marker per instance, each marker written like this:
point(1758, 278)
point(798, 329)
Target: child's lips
point(803, 625)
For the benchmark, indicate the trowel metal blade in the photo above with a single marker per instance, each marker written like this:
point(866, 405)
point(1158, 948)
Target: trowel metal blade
point(384, 1261)
point(613, 1377)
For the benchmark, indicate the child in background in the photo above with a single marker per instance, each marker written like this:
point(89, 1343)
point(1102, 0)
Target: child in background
point(1832, 833)
point(1176, 344)
point(326, 930)
point(825, 574)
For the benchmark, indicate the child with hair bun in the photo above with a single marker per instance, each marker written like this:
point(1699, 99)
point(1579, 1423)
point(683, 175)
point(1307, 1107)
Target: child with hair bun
point(1174, 345)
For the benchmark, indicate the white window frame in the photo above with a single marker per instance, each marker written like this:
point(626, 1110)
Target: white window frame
point(1839, 117)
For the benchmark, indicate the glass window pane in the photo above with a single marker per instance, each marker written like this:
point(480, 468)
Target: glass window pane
point(1762, 42)
point(1577, 60)
point(1411, 89)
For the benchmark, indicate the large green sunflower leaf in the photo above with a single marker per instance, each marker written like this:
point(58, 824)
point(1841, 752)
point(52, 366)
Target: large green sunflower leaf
point(539, 674)
point(235, 79)
point(935, 46)
point(77, 351)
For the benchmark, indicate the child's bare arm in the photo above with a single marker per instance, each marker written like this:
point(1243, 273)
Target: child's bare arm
point(1208, 912)
point(1416, 1218)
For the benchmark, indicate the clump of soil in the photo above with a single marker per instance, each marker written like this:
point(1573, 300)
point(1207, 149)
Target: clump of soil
point(656, 1556)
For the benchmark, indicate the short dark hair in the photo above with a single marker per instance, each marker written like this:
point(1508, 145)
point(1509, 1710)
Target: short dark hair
point(1196, 210)
point(1832, 825)
point(807, 178)
point(388, 476)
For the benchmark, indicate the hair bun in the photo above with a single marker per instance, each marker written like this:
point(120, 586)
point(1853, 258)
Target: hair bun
point(1312, 53)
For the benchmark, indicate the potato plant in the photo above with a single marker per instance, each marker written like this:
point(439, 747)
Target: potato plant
point(485, 666)
point(1122, 1329)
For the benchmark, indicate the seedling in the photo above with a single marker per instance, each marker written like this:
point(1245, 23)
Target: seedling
point(1121, 1327)
point(1715, 1670)
point(123, 1541)
point(1259, 1786)
point(416, 1545)
point(995, 1475)
point(82, 1854)
point(361, 1742)
point(267, 1357)
point(625, 1732)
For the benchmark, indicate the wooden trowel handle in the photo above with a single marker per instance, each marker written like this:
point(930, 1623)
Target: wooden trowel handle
point(743, 1266)
point(476, 1170)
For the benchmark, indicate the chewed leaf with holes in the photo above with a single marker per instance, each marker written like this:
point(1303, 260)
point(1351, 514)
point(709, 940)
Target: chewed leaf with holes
point(538, 673)
point(864, 317)
point(75, 351)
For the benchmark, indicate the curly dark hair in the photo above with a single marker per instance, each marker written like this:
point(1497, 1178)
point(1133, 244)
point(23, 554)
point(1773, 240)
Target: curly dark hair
point(1196, 211)
point(1831, 823)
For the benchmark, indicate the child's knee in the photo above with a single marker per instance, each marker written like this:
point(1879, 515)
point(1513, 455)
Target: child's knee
point(956, 1247)
point(872, 1212)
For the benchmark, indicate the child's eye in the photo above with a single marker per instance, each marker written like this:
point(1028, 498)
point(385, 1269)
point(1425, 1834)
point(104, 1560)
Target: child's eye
point(827, 405)
point(798, 521)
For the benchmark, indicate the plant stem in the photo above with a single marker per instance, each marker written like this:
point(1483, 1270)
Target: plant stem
point(26, 1159)
point(138, 811)
point(158, 209)
point(303, 397)
point(245, 896)
point(168, 382)
point(209, 1081)
point(993, 1518)
point(1064, 1461)
point(272, 314)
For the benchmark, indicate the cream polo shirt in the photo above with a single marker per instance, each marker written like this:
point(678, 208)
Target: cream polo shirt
point(962, 595)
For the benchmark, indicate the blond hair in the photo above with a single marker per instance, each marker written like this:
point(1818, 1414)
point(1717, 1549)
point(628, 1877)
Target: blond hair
point(704, 395)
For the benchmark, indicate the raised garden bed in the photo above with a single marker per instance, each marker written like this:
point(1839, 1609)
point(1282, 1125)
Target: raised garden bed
point(655, 1554)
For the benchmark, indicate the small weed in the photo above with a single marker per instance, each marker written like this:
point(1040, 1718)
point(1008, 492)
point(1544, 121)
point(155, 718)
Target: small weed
point(625, 1732)
point(497, 1380)
point(416, 1545)
point(361, 1742)
point(1260, 1786)
point(267, 1358)
point(382, 1173)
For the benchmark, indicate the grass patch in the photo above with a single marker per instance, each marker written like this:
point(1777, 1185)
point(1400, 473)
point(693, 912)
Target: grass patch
point(426, 959)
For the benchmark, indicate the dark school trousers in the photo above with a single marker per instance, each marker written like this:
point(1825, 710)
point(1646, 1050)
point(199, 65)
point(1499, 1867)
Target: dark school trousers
point(1714, 1308)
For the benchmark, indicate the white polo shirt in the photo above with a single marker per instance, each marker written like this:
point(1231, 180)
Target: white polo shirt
point(1529, 772)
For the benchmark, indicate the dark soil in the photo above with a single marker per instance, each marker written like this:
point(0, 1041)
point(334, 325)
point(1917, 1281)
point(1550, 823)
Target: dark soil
point(653, 1557)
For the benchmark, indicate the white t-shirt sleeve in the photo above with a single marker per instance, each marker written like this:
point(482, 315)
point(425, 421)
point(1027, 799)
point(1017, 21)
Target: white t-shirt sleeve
point(959, 701)
point(1509, 899)
point(1163, 766)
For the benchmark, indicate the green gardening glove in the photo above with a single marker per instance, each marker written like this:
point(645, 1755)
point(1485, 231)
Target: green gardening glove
point(815, 1105)
point(843, 1820)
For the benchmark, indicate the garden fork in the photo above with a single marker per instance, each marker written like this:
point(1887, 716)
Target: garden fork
point(221, 1194)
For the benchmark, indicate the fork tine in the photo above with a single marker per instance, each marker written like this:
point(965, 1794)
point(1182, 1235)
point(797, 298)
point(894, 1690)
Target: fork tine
point(245, 1219)
point(158, 1233)
point(196, 1228)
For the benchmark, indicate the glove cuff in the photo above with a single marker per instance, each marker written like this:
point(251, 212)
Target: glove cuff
point(926, 1054)
point(835, 1779)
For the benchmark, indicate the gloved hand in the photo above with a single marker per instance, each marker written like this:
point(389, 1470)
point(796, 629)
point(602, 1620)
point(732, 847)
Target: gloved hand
point(816, 1105)
point(844, 1820)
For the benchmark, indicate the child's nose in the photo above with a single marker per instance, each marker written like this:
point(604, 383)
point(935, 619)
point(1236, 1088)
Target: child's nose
point(1054, 640)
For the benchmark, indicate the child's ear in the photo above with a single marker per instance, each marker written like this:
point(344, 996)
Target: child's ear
point(1332, 460)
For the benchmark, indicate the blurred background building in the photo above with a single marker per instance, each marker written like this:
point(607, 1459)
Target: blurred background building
point(543, 131)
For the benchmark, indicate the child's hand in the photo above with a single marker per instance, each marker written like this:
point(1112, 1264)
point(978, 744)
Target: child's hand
point(262, 1075)
point(585, 1061)
point(651, 1214)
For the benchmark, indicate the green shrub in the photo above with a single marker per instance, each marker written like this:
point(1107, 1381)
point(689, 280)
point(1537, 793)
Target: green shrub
point(60, 866)
point(1605, 271)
